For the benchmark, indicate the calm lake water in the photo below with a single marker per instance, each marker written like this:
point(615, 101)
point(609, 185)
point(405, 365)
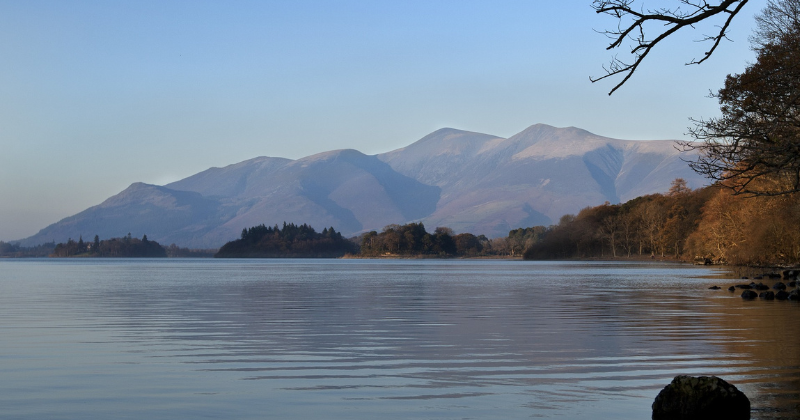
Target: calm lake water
point(367, 339)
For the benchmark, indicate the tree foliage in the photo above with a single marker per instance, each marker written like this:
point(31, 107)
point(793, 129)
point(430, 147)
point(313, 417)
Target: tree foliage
point(12, 250)
point(290, 241)
point(710, 224)
point(754, 147)
point(412, 240)
point(125, 247)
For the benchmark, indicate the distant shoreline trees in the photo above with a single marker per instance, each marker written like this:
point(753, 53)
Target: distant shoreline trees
point(711, 225)
point(708, 225)
point(125, 247)
point(413, 240)
point(290, 241)
point(10, 250)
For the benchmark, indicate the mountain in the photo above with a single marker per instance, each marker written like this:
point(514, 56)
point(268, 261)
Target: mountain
point(471, 182)
point(491, 185)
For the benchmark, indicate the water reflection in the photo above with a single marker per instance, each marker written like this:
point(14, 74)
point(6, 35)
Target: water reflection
point(360, 339)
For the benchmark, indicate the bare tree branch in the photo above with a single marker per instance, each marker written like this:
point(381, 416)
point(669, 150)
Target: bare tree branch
point(632, 26)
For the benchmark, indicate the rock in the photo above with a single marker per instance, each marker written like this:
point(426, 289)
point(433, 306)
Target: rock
point(704, 397)
point(779, 286)
point(782, 295)
point(770, 295)
point(792, 284)
point(732, 288)
point(744, 286)
point(761, 286)
point(794, 295)
point(774, 276)
point(749, 294)
point(744, 278)
point(758, 277)
point(714, 288)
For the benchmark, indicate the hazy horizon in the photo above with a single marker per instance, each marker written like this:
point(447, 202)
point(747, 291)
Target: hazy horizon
point(99, 95)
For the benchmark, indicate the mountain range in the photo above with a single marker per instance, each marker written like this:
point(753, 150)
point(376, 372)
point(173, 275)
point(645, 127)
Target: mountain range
point(470, 182)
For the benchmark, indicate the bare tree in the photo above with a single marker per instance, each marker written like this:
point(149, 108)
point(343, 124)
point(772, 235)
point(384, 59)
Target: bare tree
point(636, 24)
point(609, 229)
point(778, 20)
point(754, 147)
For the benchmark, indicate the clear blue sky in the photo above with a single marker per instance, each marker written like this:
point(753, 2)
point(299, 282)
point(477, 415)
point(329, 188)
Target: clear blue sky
point(96, 95)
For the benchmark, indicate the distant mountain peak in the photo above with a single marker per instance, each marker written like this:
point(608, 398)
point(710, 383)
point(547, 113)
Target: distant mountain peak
point(331, 155)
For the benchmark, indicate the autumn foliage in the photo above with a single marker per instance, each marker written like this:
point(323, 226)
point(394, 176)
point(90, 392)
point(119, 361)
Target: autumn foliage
point(706, 225)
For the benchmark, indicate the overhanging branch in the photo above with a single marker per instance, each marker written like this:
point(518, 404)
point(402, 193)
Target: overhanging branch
point(672, 20)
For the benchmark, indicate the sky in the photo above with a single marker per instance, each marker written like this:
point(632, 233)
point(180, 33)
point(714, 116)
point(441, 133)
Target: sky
point(96, 95)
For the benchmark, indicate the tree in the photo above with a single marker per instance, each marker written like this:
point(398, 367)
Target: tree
point(754, 147)
point(678, 188)
point(636, 23)
point(776, 21)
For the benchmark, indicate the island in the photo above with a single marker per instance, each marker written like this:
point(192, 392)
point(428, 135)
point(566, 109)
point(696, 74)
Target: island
point(125, 247)
point(289, 241)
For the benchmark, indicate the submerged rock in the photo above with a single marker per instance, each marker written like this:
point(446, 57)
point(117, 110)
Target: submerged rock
point(749, 294)
point(782, 295)
point(696, 398)
point(732, 289)
point(760, 286)
point(779, 286)
point(744, 286)
point(714, 288)
point(769, 295)
point(794, 295)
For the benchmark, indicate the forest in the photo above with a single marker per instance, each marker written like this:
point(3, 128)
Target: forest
point(709, 225)
point(413, 240)
point(125, 247)
point(290, 241)
point(10, 250)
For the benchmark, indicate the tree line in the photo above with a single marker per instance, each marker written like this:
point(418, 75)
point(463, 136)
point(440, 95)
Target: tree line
point(413, 240)
point(409, 240)
point(288, 241)
point(709, 225)
point(10, 250)
point(124, 247)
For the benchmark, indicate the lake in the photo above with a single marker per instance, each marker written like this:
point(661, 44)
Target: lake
point(389, 339)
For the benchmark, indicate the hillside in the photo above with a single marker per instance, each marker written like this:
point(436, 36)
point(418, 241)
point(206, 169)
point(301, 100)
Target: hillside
point(471, 182)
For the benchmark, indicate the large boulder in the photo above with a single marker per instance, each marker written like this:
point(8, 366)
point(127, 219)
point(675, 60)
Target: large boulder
point(703, 397)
